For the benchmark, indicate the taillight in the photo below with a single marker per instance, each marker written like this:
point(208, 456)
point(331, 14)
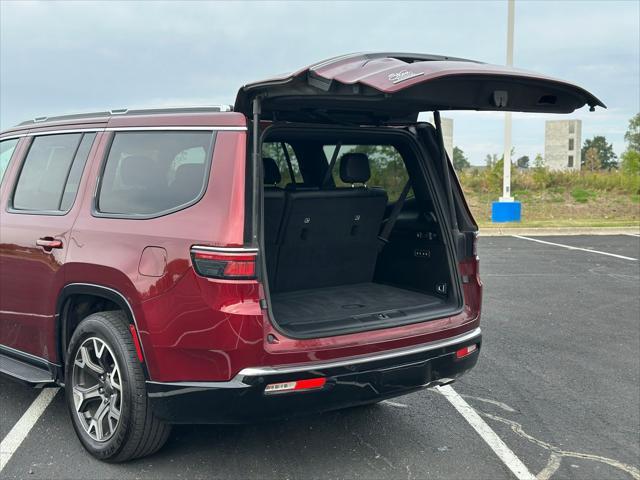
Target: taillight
point(466, 351)
point(229, 266)
point(296, 386)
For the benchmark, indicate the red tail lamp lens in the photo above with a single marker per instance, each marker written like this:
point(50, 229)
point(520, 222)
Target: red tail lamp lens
point(466, 351)
point(310, 383)
point(225, 266)
point(240, 269)
point(297, 385)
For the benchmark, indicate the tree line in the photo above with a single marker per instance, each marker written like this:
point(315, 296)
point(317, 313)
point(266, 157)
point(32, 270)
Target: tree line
point(597, 154)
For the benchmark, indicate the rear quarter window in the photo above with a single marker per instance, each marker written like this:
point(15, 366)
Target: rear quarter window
point(148, 174)
point(388, 170)
point(289, 172)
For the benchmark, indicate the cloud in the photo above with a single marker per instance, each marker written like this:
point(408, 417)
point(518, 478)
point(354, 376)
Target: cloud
point(57, 57)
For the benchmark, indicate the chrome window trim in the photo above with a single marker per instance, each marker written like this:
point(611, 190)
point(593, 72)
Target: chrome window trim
point(12, 137)
point(177, 128)
point(425, 347)
point(62, 132)
point(225, 249)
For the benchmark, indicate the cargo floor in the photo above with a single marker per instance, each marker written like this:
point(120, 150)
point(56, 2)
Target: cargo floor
point(325, 306)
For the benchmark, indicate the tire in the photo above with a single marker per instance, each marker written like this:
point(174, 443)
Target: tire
point(110, 412)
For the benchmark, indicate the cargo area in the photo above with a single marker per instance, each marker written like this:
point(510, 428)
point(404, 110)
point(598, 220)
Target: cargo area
point(316, 310)
point(350, 242)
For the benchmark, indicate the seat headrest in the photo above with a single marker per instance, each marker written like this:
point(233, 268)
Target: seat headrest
point(354, 168)
point(271, 171)
point(189, 174)
point(140, 171)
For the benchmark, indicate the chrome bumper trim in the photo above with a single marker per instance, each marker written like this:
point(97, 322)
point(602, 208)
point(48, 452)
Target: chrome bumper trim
point(262, 371)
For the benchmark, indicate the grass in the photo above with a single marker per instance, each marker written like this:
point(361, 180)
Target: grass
point(581, 195)
point(545, 209)
point(563, 223)
point(558, 199)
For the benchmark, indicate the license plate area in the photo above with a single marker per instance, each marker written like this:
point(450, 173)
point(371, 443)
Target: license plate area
point(405, 376)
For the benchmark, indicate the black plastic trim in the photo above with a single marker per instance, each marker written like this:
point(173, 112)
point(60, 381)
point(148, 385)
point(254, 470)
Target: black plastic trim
point(243, 399)
point(52, 370)
point(107, 293)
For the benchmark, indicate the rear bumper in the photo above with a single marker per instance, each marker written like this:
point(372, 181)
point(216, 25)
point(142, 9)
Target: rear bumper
point(350, 382)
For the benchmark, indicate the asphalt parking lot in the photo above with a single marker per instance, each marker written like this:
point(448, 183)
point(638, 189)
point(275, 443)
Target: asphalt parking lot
point(557, 381)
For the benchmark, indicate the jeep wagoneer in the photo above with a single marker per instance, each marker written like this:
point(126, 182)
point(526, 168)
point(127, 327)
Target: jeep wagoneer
point(308, 249)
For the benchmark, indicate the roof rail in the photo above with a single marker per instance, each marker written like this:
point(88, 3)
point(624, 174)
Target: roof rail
point(126, 111)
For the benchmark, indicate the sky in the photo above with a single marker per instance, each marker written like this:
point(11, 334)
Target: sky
point(68, 57)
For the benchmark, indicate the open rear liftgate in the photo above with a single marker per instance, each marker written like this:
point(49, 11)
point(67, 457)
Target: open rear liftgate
point(257, 175)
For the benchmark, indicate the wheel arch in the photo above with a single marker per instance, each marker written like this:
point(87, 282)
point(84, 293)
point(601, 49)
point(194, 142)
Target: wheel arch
point(74, 290)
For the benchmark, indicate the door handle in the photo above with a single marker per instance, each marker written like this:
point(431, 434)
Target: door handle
point(49, 243)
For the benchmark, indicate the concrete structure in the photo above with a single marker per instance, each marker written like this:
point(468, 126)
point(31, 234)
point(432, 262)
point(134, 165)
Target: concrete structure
point(447, 135)
point(562, 144)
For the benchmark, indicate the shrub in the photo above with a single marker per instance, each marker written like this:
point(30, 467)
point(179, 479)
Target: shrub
point(540, 179)
point(630, 162)
point(581, 195)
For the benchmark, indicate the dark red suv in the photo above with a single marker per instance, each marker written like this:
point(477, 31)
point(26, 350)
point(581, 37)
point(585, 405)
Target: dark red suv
point(309, 250)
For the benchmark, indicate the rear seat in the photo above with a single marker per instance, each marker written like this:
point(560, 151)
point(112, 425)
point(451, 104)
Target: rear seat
point(329, 237)
point(274, 200)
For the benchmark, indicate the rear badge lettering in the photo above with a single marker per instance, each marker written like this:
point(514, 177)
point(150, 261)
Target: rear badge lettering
point(403, 75)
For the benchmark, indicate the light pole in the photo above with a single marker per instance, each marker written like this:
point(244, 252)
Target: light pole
point(507, 209)
point(506, 173)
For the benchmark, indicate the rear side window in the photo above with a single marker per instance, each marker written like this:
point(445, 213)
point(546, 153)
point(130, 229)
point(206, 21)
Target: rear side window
point(147, 174)
point(7, 148)
point(51, 172)
point(289, 170)
point(387, 167)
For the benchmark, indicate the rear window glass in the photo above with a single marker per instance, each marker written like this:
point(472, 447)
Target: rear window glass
point(152, 173)
point(387, 167)
point(46, 169)
point(288, 173)
point(7, 148)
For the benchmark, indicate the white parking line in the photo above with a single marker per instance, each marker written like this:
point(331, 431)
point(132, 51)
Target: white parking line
point(496, 444)
point(575, 248)
point(21, 429)
point(632, 234)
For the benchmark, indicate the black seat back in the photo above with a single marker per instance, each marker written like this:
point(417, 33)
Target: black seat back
point(329, 237)
point(274, 201)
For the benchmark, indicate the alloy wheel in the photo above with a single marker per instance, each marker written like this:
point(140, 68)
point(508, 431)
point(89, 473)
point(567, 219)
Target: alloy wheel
point(97, 389)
